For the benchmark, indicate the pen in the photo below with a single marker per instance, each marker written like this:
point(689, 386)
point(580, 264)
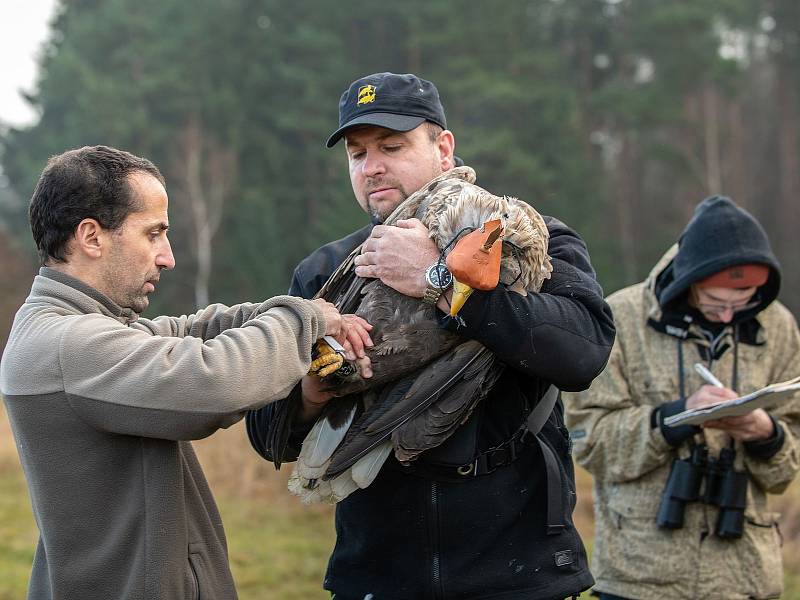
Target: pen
point(707, 375)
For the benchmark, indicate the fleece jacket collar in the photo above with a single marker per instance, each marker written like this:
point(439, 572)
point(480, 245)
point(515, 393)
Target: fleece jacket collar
point(80, 295)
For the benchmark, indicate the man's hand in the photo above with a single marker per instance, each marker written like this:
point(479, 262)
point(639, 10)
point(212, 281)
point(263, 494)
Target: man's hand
point(755, 425)
point(708, 395)
point(314, 395)
point(333, 320)
point(314, 398)
point(354, 337)
point(398, 256)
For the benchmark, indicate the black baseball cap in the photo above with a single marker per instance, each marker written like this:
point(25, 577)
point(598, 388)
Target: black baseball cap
point(398, 102)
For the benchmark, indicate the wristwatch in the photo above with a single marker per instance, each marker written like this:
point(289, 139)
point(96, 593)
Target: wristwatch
point(438, 279)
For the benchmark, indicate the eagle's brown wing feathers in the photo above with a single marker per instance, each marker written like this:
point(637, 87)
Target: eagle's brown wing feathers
point(427, 380)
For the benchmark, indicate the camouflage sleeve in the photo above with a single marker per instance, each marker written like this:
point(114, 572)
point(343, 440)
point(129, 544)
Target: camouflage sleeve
point(611, 430)
point(775, 474)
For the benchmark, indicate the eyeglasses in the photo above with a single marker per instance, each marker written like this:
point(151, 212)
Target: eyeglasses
point(717, 309)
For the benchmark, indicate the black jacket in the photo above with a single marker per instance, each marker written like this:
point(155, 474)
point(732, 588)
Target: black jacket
point(413, 535)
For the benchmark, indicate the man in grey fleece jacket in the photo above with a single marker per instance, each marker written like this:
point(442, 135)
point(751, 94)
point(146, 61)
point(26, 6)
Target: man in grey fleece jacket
point(102, 403)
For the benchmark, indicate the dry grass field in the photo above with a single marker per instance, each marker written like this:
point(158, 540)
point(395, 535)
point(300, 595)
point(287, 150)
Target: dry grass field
point(278, 547)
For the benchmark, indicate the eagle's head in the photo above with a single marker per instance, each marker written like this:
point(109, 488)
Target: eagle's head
point(487, 239)
point(475, 262)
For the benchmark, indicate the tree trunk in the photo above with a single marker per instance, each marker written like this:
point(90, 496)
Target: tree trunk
point(737, 173)
point(207, 173)
point(626, 205)
point(713, 168)
point(789, 175)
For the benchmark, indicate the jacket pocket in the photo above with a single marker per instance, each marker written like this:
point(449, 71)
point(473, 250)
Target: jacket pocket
point(193, 584)
point(200, 587)
point(630, 546)
point(761, 556)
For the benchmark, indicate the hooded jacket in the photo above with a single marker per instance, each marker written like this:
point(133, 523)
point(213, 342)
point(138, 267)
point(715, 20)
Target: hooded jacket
point(102, 405)
point(414, 535)
point(620, 439)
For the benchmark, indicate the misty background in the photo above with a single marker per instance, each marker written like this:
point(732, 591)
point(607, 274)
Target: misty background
point(616, 116)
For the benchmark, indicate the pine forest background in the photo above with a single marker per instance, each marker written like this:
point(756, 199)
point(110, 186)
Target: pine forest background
point(617, 116)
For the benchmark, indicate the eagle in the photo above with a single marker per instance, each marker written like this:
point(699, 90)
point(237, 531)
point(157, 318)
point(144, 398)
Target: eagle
point(426, 379)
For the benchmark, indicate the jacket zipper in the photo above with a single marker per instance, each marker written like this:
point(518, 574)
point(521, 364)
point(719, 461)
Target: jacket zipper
point(435, 558)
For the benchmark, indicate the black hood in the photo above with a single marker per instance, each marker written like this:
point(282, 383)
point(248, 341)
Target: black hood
point(719, 235)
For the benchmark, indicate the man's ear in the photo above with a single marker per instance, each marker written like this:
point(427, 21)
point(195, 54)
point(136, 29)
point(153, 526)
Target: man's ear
point(90, 238)
point(446, 146)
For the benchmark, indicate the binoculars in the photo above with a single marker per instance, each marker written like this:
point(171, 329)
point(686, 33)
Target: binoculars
point(724, 487)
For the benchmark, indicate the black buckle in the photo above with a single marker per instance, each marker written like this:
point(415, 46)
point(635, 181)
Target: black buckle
point(493, 458)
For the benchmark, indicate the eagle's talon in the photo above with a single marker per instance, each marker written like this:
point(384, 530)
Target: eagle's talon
point(336, 362)
point(326, 364)
point(325, 360)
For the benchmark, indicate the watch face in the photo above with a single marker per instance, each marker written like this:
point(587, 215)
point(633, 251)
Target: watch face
point(440, 277)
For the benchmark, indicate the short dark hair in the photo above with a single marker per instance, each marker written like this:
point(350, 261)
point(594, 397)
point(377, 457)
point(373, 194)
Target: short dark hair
point(84, 183)
point(433, 130)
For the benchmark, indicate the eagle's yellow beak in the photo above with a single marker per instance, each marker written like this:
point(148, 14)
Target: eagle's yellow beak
point(461, 292)
point(475, 263)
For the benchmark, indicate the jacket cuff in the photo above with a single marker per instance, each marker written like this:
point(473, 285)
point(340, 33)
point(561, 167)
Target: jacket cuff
point(766, 449)
point(322, 322)
point(674, 436)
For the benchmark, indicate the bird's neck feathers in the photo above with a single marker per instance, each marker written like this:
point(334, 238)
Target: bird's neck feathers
point(461, 214)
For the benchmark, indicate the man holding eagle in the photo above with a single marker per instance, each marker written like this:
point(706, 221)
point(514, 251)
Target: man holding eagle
point(485, 509)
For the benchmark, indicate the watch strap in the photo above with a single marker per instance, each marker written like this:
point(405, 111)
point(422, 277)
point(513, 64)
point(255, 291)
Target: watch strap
point(432, 294)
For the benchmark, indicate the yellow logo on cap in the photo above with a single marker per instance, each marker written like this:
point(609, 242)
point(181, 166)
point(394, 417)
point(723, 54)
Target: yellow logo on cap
point(366, 94)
